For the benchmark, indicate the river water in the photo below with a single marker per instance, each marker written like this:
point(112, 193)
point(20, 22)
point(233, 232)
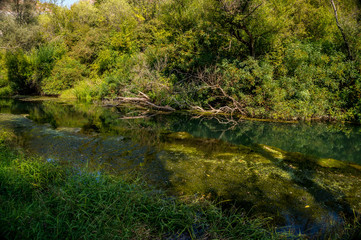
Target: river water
point(305, 176)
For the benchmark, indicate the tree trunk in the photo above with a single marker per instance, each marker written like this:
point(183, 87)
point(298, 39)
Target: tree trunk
point(251, 48)
point(342, 31)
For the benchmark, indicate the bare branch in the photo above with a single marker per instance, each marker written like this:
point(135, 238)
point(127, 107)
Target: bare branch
point(341, 30)
point(140, 101)
point(251, 12)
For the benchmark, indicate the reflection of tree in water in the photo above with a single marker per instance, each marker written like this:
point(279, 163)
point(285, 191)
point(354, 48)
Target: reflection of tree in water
point(324, 140)
point(319, 139)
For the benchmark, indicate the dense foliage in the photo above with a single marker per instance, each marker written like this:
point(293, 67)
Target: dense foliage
point(261, 58)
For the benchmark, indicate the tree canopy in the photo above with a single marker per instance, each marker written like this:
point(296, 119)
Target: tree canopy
point(287, 59)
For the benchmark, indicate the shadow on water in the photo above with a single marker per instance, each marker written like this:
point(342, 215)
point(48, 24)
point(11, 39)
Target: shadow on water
point(293, 190)
point(305, 194)
point(303, 169)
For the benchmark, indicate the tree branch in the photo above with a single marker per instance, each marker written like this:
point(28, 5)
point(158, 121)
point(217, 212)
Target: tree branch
point(136, 100)
point(341, 30)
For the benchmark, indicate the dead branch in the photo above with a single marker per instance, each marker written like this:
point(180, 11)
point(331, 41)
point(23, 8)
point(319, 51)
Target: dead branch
point(341, 30)
point(137, 117)
point(213, 80)
point(198, 108)
point(137, 100)
point(144, 95)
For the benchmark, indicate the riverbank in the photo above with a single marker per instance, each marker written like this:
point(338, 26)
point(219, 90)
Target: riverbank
point(44, 200)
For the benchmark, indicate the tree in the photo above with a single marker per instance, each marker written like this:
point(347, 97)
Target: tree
point(19, 71)
point(347, 45)
point(24, 10)
point(251, 22)
point(18, 25)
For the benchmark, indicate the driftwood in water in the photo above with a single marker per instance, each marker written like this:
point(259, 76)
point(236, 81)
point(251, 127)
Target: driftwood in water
point(142, 101)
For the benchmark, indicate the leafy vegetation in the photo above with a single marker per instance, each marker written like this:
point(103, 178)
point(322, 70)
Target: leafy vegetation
point(259, 58)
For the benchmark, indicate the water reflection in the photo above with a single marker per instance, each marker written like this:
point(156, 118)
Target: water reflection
point(340, 142)
point(319, 139)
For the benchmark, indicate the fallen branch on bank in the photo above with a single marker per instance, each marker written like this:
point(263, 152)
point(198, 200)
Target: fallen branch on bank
point(224, 109)
point(137, 117)
point(213, 80)
point(142, 101)
point(238, 107)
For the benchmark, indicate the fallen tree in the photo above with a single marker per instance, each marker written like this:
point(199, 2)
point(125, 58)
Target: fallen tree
point(143, 101)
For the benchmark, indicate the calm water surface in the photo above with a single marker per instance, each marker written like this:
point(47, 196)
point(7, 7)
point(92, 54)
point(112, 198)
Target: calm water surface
point(195, 155)
point(341, 142)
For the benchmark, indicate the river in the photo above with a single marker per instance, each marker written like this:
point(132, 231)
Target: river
point(306, 176)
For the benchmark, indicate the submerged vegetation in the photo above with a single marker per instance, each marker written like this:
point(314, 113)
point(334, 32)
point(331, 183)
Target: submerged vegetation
point(45, 200)
point(259, 58)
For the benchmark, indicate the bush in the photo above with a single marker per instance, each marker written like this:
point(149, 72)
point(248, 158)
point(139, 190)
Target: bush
point(18, 71)
point(43, 62)
point(66, 73)
point(311, 84)
point(6, 91)
point(105, 61)
point(119, 78)
point(5, 88)
point(86, 90)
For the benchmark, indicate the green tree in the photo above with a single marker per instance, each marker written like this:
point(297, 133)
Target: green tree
point(24, 10)
point(18, 71)
point(65, 74)
point(249, 21)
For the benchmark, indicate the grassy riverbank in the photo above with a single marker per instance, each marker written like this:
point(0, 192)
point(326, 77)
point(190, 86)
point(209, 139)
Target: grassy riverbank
point(43, 200)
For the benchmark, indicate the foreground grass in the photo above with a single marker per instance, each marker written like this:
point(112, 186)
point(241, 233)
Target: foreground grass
point(43, 200)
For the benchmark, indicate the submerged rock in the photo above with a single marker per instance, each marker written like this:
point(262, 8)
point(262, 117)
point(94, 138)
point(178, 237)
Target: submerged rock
point(330, 163)
point(179, 135)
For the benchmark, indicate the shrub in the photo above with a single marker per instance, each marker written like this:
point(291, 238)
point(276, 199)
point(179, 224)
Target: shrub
point(43, 62)
point(5, 88)
point(114, 82)
point(6, 91)
point(105, 61)
point(86, 90)
point(18, 71)
point(65, 74)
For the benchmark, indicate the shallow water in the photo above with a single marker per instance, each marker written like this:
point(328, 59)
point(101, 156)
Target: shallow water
point(251, 164)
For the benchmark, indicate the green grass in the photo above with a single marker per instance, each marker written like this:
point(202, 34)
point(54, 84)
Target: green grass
point(43, 200)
